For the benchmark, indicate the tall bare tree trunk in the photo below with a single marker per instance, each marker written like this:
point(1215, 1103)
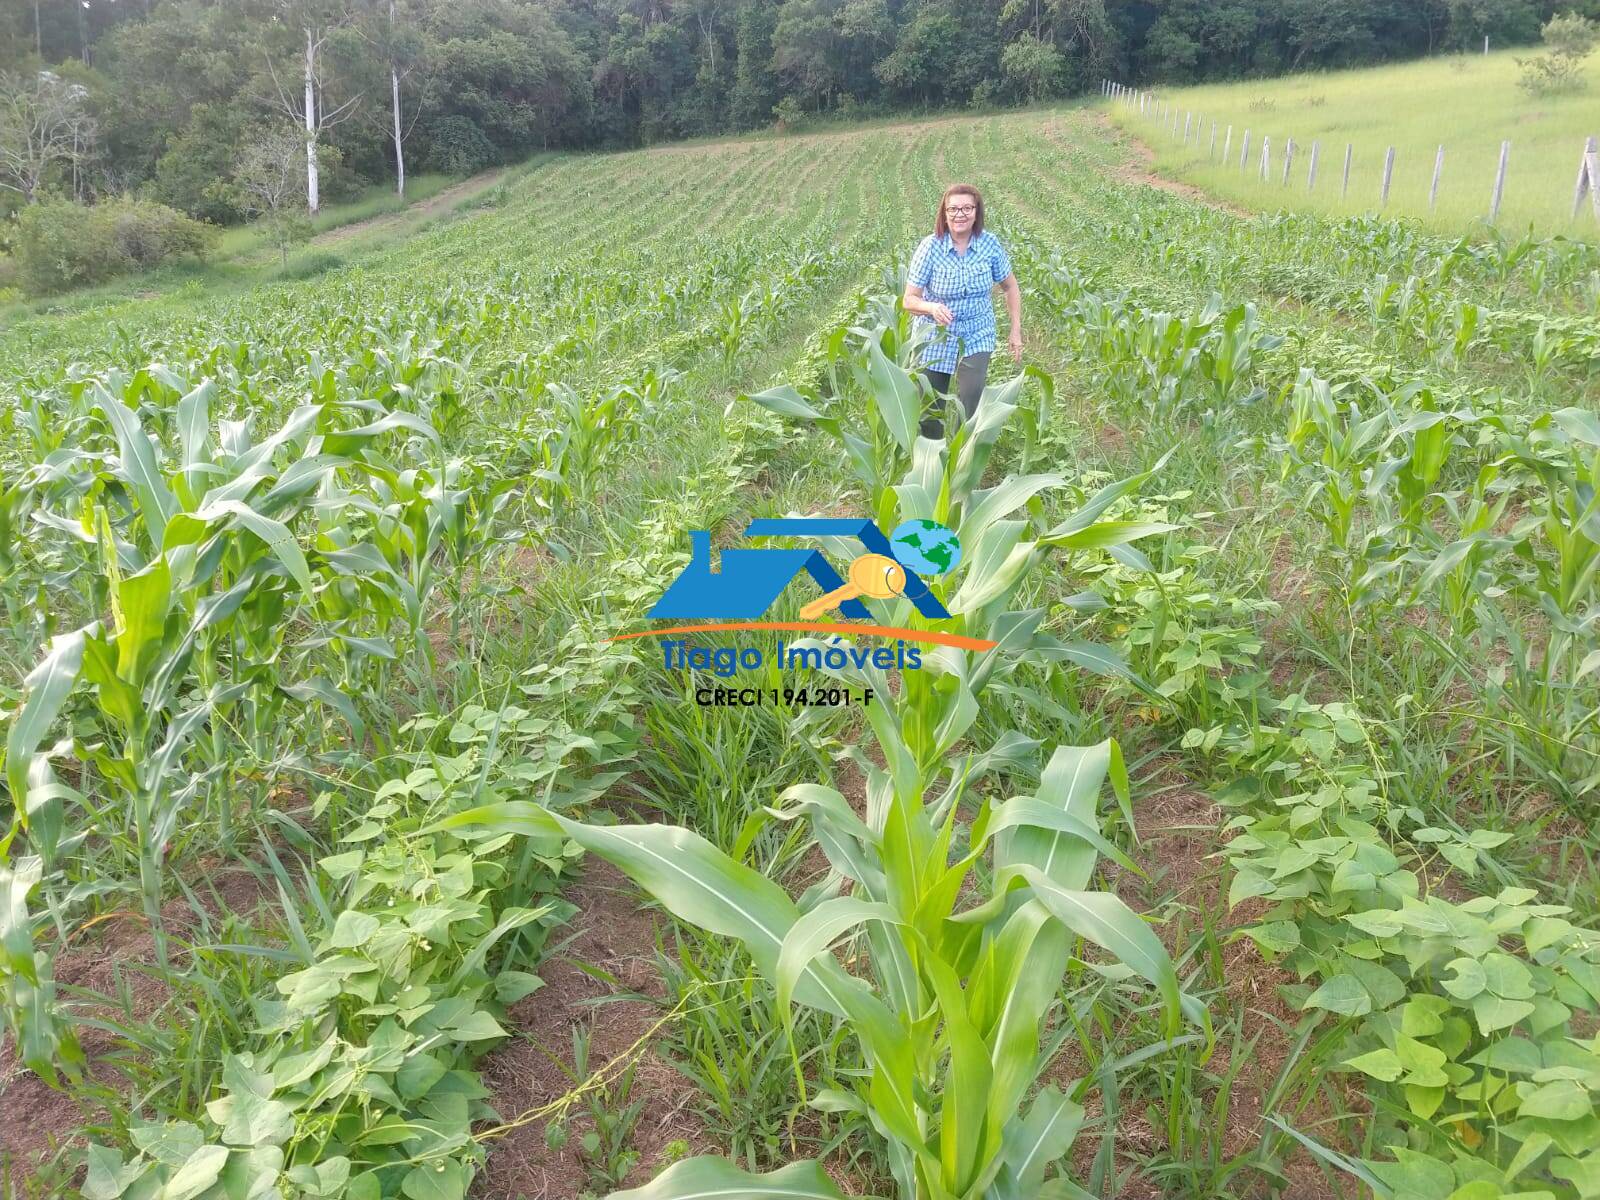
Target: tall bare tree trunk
point(38, 38)
point(399, 142)
point(399, 138)
point(312, 201)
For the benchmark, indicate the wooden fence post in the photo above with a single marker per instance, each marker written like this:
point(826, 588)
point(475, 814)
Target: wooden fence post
point(1388, 176)
point(1592, 159)
point(1186, 128)
point(1288, 160)
point(1244, 151)
point(1211, 153)
point(1266, 156)
point(1499, 182)
point(1586, 182)
point(1227, 146)
point(1344, 188)
point(1311, 175)
point(1438, 168)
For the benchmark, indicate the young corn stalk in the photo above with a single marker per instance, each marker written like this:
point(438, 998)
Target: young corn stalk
point(969, 927)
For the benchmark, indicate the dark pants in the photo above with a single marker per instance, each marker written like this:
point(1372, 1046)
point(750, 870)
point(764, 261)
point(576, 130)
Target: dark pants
point(972, 372)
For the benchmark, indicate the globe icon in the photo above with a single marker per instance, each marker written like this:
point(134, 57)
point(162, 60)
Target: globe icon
point(926, 547)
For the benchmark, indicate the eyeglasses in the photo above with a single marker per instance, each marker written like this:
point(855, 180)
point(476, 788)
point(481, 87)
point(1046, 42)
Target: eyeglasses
point(961, 210)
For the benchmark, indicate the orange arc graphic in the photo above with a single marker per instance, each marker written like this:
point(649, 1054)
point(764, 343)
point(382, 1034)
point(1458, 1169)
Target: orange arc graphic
point(959, 641)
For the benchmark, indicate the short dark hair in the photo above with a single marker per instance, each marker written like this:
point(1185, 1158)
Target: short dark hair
point(941, 226)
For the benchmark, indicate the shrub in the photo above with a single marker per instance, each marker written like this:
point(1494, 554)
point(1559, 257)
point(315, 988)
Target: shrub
point(1570, 39)
point(62, 245)
point(789, 114)
point(457, 146)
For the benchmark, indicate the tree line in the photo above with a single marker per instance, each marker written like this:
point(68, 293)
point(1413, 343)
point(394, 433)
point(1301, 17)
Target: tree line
point(208, 106)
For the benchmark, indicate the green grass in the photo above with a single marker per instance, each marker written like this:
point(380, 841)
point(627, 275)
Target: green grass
point(246, 241)
point(1467, 103)
point(242, 255)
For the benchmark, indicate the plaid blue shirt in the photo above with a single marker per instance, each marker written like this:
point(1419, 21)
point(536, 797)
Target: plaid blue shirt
point(964, 283)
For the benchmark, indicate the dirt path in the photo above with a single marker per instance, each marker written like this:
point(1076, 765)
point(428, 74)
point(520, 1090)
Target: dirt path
point(1140, 169)
point(432, 206)
point(593, 983)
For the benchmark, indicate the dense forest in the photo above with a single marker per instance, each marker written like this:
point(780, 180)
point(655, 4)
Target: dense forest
point(183, 101)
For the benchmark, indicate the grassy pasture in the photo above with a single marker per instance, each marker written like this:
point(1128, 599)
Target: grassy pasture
point(352, 857)
point(1468, 103)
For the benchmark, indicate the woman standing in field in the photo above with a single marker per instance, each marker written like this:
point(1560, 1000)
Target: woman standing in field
point(951, 284)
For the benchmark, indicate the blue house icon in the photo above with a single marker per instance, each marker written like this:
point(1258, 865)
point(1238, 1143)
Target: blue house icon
point(749, 579)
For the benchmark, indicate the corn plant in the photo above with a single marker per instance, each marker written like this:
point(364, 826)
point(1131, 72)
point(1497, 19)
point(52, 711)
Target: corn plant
point(585, 432)
point(198, 565)
point(949, 1018)
point(911, 477)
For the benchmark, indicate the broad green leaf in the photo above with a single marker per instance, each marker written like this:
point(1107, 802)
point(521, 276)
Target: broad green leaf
point(511, 816)
point(1069, 785)
point(1097, 657)
point(1009, 991)
point(444, 1179)
point(1380, 1064)
point(1378, 922)
point(352, 930)
point(1342, 994)
point(708, 1178)
point(197, 1174)
point(1028, 813)
point(1515, 1055)
point(1562, 1100)
point(476, 1026)
point(1105, 920)
point(108, 1176)
point(1469, 978)
point(1001, 501)
point(253, 1120)
point(894, 393)
point(511, 986)
point(418, 1074)
point(1506, 977)
point(813, 932)
point(1494, 1013)
point(1105, 534)
point(157, 504)
point(965, 1129)
point(142, 602)
point(43, 692)
point(194, 423)
point(275, 535)
point(785, 401)
point(1042, 1137)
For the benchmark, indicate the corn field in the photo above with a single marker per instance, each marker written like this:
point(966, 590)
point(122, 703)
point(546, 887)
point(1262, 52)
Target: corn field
point(352, 851)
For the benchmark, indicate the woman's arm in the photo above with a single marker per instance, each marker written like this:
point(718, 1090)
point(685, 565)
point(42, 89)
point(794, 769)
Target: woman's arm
point(1013, 294)
point(913, 303)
